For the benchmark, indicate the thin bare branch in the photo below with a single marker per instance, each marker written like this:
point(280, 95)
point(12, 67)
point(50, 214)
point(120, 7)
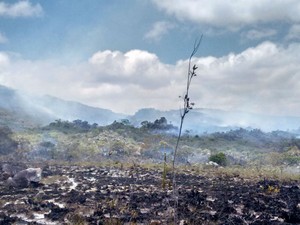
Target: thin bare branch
point(187, 106)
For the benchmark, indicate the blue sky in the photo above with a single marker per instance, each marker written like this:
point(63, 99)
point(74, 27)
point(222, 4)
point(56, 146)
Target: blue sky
point(130, 54)
point(73, 30)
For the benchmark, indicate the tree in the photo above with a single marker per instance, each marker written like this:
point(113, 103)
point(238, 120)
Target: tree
point(126, 122)
point(187, 106)
point(158, 125)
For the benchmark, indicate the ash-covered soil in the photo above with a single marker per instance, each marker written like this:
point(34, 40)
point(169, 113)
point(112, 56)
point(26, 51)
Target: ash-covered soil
point(93, 195)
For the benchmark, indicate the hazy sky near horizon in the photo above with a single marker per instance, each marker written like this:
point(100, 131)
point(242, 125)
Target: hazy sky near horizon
point(125, 55)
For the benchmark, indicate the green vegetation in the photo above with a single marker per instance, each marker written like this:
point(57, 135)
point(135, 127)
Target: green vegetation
point(7, 144)
point(219, 158)
point(159, 124)
point(81, 142)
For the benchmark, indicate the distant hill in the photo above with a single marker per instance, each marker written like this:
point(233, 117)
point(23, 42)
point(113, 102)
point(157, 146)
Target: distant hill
point(12, 113)
point(196, 120)
point(212, 120)
point(19, 110)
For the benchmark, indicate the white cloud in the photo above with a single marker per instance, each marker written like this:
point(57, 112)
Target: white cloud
point(232, 13)
point(4, 66)
point(262, 79)
point(22, 8)
point(4, 60)
point(257, 34)
point(137, 67)
point(3, 39)
point(294, 32)
point(158, 30)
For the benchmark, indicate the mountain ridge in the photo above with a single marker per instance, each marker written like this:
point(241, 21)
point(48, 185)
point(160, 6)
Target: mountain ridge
point(22, 110)
point(41, 110)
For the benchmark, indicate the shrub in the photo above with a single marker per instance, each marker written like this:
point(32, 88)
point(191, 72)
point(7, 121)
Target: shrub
point(7, 144)
point(219, 158)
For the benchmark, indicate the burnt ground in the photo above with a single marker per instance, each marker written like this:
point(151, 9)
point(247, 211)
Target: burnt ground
point(94, 195)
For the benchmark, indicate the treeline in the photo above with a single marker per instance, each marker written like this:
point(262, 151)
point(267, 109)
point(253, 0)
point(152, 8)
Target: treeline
point(74, 126)
point(79, 139)
point(84, 126)
point(275, 140)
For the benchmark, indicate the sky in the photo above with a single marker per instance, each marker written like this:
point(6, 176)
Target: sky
point(125, 55)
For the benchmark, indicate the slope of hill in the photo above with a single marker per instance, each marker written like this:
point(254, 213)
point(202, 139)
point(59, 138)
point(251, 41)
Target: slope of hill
point(56, 108)
point(11, 112)
point(20, 110)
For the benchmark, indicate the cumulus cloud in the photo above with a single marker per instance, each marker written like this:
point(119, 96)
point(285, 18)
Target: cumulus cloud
point(136, 67)
point(4, 60)
point(109, 79)
point(22, 8)
point(261, 79)
point(232, 13)
point(158, 30)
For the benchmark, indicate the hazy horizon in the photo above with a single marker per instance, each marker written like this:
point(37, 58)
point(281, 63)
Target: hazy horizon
point(132, 54)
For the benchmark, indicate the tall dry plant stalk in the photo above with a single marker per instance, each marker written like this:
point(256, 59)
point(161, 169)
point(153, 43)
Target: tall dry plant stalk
point(187, 106)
